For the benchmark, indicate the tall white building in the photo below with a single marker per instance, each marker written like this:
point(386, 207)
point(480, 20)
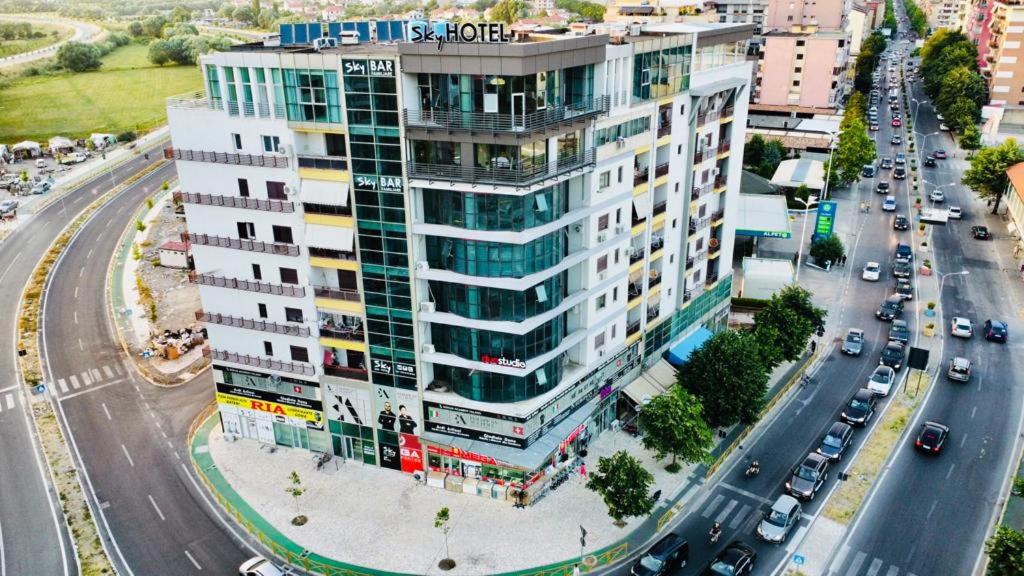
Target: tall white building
point(456, 261)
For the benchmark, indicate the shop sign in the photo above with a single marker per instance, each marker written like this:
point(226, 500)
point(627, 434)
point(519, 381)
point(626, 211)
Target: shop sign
point(502, 361)
point(398, 410)
point(273, 384)
point(411, 453)
point(387, 368)
point(347, 404)
point(466, 32)
point(389, 456)
point(382, 67)
point(308, 415)
point(368, 182)
point(354, 67)
point(461, 454)
point(294, 401)
point(390, 183)
point(499, 439)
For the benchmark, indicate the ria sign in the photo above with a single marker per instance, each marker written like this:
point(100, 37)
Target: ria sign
point(441, 32)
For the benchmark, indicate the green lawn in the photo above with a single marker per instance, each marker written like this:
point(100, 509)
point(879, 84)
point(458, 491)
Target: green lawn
point(12, 47)
point(128, 93)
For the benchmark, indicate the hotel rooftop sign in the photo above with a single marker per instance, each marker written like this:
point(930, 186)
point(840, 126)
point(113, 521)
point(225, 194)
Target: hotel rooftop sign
point(467, 32)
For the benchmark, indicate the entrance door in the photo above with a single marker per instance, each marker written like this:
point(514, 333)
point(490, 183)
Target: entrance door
point(518, 111)
point(353, 448)
point(264, 431)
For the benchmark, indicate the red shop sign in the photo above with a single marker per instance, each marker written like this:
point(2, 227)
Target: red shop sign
point(461, 454)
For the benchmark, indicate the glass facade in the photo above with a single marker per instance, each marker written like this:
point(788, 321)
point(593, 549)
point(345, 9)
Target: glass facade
point(624, 130)
point(213, 86)
point(495, 211)
point(496, 259)
point(473, 344)
point(483, 303)
point(312, 95)
point(492, 93)
point(499, 388)
point(661, 72)
point(665, 332)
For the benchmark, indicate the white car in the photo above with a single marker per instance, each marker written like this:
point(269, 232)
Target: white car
point(954, 212)
point(943, 127)
point(961, 327)
point(889, 205)
point(882, 380)
point(872, 272)
point(940, 118)
point(259, 566)
point(937, 196)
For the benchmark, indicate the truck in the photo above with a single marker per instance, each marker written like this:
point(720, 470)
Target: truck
point(73, 158)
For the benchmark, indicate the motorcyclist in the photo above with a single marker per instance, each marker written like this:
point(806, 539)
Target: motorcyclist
point(754, 468)
point(715, 532)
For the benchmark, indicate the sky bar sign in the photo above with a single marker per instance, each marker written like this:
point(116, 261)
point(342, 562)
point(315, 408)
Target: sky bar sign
point(464, 32)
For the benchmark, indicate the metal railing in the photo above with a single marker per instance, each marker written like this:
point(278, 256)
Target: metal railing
point(652, 313)
point(697, 224)
point(457, 120)
point(328, 209)
point(719, 182)
point(664, 129)
point(336, 293)
point(501, 175)
point(345, 372)
point(711, 279)
point(356, 334)
point(706, 153)
point(701, 255)
point(701, 190)
point(711, 116)
point(254, 109)
point(260, 362)
point(717, 216)
point(279, 249)
point(727, 112)
point(639, 177)
point(235, 202)
point(659, 207)
point(248, 285)
point(195, 100)
point(654, 281)
point(723, 147)
point(226, 158)
point(690, 262)
point(632, 328)
point(661, 169)
point(261, 325)
point(322, 162)
point(315, 252)
point(637, 254)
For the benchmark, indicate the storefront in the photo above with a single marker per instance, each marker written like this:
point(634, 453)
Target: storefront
point(253, 405)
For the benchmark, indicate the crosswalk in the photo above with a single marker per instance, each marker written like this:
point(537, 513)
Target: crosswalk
point(92, 378)
point(863, 564)
point(8, 401)
point(731, 512)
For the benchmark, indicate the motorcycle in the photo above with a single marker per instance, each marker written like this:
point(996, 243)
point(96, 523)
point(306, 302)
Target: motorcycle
point(753, 469)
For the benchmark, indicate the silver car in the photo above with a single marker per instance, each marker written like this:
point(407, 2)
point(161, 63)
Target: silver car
point(854, 343)
point(780, 520)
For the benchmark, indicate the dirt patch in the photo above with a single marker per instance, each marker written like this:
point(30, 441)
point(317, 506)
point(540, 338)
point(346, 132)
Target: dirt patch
point(176, 299)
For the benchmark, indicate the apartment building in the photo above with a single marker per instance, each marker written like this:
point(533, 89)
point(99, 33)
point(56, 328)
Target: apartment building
point(740, 12)
point(657, 11)
point(977, 27)
point(949, 14)
point(455, 261)
point(1004, 57)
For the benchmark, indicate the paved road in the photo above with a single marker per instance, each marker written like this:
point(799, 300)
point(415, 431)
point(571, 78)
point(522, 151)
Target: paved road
point(926, 503)
point(84, 32)
point(33, 538)
point(129, 435)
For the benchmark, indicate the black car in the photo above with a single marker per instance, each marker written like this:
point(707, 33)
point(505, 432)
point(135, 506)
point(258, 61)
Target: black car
point(859, 410)
point(899, 331)
point(836, 441)
point(931, 437)
point(996, 331)
point(902, 269)
point(904, 252)
point(980, 233)
point(929, 161)
point(670, 552)
point(904, 289)
point(900, 222)
point(891, 309)
point(808, 477)
point(893, 355)
point(899, 173)
point(736, 560)
point(883, 188)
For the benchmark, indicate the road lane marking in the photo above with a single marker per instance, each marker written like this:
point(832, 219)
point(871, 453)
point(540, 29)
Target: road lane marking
point(108, 371)
point(193, 560)
point(726, 511)
point(963, 441)
point(86, 379)
point(750, 495)
point(893, 571)
point(76, 292)
point(118, 368)
point(711, 507)
point(74, 382)
point(157, 508)
point(932, 509)
point(80, 345)
point(10, 401)
point(127, 455)
point(105, 411)
point(81, 271)
point(9, 266)
point(855, 565)
point(951, 468)
point(96, 374)
point(973, 412)
point(875, 566)
point(93, 389)
point(89, 255)
point(76, 316)
point(63, 386)
point(739, 518)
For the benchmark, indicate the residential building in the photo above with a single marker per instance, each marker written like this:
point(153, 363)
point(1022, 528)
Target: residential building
point(1005, 57)
point(977, 27)
point(949, 14)
point(456, 261)
point(657, 11)
point(740, 12)
point(1014, 202)
point(858, 27)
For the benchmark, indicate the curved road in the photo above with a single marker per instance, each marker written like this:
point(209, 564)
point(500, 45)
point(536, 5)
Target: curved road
point(84, 32)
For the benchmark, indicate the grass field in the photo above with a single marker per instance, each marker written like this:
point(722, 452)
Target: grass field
point(12, 47)
point(127, 93)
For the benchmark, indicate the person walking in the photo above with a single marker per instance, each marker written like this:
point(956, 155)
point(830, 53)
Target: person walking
point(576, 570)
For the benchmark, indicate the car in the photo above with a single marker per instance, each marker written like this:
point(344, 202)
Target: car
point(872, 272)
point(961, 327)
point(902, 269)
point(9, 181)
point(736, 560)
point(896, 140)
point(868, 171)
point(896, 122)
point(901, 159)
point(959, 369)
point(943, 127)
point(904, 289)
point(873, 109)
point(931, 437)
point(41, 188)
point(40, 163)
point(954, 213)
point(889, 204)
point(780, 520)
point(808, 477)
point(980, 233)
point(881, 380)
point(259, 566)
point(836, 441)
point(899, 173)
point(996, 331)
point(664, 557)
point(890, 309)
point(939, 117)
point(904, 253)
point(861, 407)
point(940, 154)
point(937, 196)
point(929, 162)
point(900, 222)
point(8, 206)
point(899, 331)
point(882, 188)
point(73, 158)
point(886, 162)
point(854, 342)
point(874, 127)
point(893, 355)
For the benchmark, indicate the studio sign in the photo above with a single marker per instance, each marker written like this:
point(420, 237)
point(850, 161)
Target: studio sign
point(441, 32)
point(501, 361)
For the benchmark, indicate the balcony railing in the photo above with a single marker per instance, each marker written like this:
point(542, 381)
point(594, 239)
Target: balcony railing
point(717, 216)
point(498, 175)
point(706, 117)
point(261, 325)
point(664, 129)
point(723, 147)
point(711, 279)
point(690, 262)
point(235, 202)
point(652, 313)
point(640, 177)
point(659, 208)
point(343, 332)
point(456, 120)
point(719, 182)
point(653, 281)
point(727, 112)
point(661, 170)
point(701, 255)
point(329, 209)
point(195, 100)
point(279, 249)
point(701, 190)
point(657, 242)
point(225, 158)
point(336, 293)
point(345, 372)
point(261, 362)
point(248, 285)
point(635, 289)
point(322, 162)
point(315, 252)
point(707, 153)
point(698, 224)
point(254, 109)
point(636, 255)
point(632, 328)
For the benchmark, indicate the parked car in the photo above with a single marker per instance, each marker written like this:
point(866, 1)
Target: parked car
point(901, 159)
point(890, 309)
point(896, 140)
point(902, 269)
point(808, 477)
point(931, 437)
point(874, 127)
point(259, 566)
point(959, 369)
point(893, 355)
point(896, 122)
point(904, 253)
point(996, 331)
point(854, 342)
point(881, 380)
point(904, 289)
point(872, 272)
point(980, 233)
point(900, 173)
point(40, 163)
point(899, 331)
point(868, 171)
point(961, 327)
point(780, 520)
point(882, 188)
point(940, 154)
point(889, 204)
point(73, 158)
point(10, 181)
point(836, 441)
point(937, 196)
point(41, 188)
point(736, 560)
point(8, 206)
point(886, 162)
point(900, 222)
point(666, 555)
point(859, 410)
point(954, 213)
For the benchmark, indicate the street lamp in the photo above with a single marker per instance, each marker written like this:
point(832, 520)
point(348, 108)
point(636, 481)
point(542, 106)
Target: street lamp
point(831, 151)
point(942, 278)
point(803, 235)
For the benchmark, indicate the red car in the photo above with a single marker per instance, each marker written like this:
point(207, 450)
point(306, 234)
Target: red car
point(896, 122)
point(940, 153)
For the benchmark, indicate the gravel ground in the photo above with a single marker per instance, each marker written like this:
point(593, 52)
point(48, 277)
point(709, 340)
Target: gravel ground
point(177, 299)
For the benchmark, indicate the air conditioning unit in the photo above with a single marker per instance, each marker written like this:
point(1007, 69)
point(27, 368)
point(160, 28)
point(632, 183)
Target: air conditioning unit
point(321, 43)
point(601, 237)
point(422, 265)
point(428, 307)
point(429, 349)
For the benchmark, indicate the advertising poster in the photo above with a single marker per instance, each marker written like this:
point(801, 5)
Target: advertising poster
point(412, 453)
point(347, 404)
point(390, 457)
point(397, 410)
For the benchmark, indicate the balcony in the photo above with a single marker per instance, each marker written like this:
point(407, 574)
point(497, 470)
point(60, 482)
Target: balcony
point(195, 100)
point(322, 162)
point(635, 289)
point(637, 254)
point(290, 290)
point(701, 255)
point(632, 328)
point(260, 362)
point(727, 112)
point(698, 224)
point(640, 177)
point(659, 208)
point(261, 325)
point(664, 129)
point(654, 279)
point(690, 261)
point(653, 312)
point(705, 118)
point(702, 154)
point(657, 242)
point(328, 209)
point(315, 252)
point(235, 202)
point(702, 190)
point(492, 122)
point(723, 147)
point(279, 249)
point(225, 158)
point(717, 217)
point(354, 333)
point(346, 294)
point(661, 170)
point(711, 279)
point(502, 176)
point(345, 372)
point(254, 109)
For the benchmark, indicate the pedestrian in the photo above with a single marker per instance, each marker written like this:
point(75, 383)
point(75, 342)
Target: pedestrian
point(576, 570)
point(814, 346)
point(583, 470)
point(843, 261)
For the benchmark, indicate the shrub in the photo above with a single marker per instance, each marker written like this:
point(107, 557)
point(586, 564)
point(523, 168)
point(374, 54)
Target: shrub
point(128, 136)
point(829, 249)
point(140, 226)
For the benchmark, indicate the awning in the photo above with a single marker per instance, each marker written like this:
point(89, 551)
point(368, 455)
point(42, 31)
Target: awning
point(642, 205)
point(762, 216)
point(654, 382)
point(324, 192)
point(680, 353)
point(331, 237)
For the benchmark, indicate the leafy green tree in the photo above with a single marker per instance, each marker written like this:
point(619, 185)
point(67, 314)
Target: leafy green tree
point(987, 174)
point(673, 424)
point(961, 114)
point(79, 57)
point(244, 14)
point(507, 11)
point(135, 29)
point(829, 249)
point(1005, 551)
point(787, 322)
point(970, 138)
point(257, 9)
point(154, 26)
point(856, 108)
point(728, 377)
point(181, 29)
point(855, 149)
point(771, 158)
point(295, 490)
point(180, 14)
point(623, 484)
point(753, 150)
point(442, 521)
point(159, 52)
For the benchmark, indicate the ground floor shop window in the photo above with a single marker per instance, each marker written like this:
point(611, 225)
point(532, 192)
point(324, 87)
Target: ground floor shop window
point(353, 442)
point(293, 436)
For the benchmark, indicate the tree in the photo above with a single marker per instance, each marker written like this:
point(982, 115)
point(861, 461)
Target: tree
point(753, 151)
point(180, 14)
point(856, 108)
point(180, 30)
point(243, 14)
point(441, 522)
point(135, 29)
point(1005, 551)
point(296, 490)
point(154, 26)
point(623, 484)
point(771, 158)
point(961, 114)
point(970, 138)
point(829, 249)
point(159, 52)
point(787, 323)
point(673, 424)
point(855, 149)
point(987, 174)
point(507, 11)
point(257, 10)
point(728, 377)
point(79, 57)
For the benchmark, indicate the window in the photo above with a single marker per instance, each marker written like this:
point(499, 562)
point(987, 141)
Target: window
point(599, 341)
point(675, 221)
point(243, 187)
point(618, 215)
point(268, 348)
point(601, 302)
point(799, 56)
point(677, 188)
point(262, 309)
point(602, 263)
point(275, 191)
point(620, 174)
point(679, 150)
point(798, 70)
point(614, 326)
point(801, 42)
point(796, 83)
point(283, 234)
point(271, 144)
point(236, 140)
point(312, 95)
point(615, 294)
point(299, 354)
point(257, 272)
point(293, 314)
point(605, 179)
point(246, 230)
point(289, 276)
point(602, 222)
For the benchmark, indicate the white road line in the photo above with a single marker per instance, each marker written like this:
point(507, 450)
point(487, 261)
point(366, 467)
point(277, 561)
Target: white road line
point(193, 560)
point(855, 565)
point(876, 565)
point(81, 346)
point(9, 388)
point(169, 445)
point(93, 389)
point(951, 468)
point(739, 518)
point(89, 255)
point(63, 386)
point(105, 411)
point(750, 495)
point(118, 368)
point(973, 412)
point(963, 441)
point(932, 509)
point(893, 571)
point(711, 507)
point(76, 292)
point(725, 512)
point(843, 551)
point(74, 382)
point(86, 379)
point(108, 371)
point(10, 401)
point(96, 374)
point(157, 508)
point(127, 455)
point(81, 271)
point(76, 316)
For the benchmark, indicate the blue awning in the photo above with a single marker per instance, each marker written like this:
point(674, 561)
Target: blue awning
point(680, 353)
